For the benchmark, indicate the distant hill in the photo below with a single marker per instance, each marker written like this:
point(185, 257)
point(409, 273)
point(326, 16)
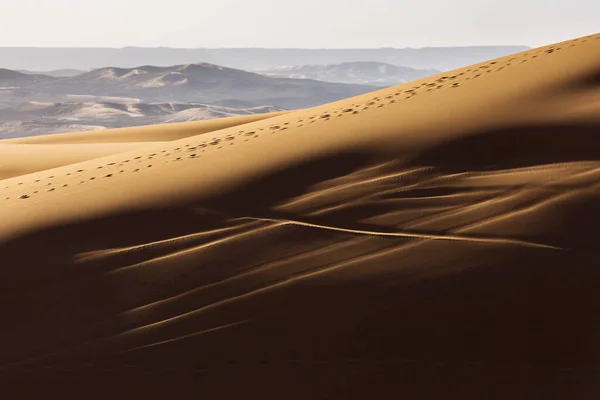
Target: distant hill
point(48, 59)
point(361, 72)
point(37, 118)
point(15, 87)
point(15, 78)
point(198, 83)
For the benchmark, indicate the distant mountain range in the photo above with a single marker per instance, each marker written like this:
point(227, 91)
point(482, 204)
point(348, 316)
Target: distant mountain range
point(36, 118)
point(193, 83)
point(251, 59)
point(362, 72)
point(67, 98)
point(58, 73)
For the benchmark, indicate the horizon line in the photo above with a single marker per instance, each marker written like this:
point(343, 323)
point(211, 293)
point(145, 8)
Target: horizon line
point(264, 48)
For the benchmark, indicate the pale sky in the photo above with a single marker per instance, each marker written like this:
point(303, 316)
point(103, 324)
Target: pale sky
point(298, 24)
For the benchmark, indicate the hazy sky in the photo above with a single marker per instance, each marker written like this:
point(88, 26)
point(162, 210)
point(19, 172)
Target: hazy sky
point(300, 23)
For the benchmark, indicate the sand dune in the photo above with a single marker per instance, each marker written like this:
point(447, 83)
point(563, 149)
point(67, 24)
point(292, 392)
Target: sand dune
point(430, 240)
point(21, 159)
point(26, 155)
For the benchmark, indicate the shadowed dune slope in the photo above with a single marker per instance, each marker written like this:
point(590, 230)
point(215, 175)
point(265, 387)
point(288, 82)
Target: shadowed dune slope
point(435, 239)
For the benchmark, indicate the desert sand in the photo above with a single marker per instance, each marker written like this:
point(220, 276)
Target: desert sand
point(435, 239)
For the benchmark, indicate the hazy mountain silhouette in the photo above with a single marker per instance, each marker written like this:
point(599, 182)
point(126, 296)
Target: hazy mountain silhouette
point(58, 73)
point(441, 58)
point(361, 72)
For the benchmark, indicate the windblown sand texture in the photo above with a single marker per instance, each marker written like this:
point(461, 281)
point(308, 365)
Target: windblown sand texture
point(436, 239)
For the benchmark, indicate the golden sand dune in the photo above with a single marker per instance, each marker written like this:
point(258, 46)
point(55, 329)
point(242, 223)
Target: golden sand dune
point(20, 159)
point(436, 239)
point(25, 155)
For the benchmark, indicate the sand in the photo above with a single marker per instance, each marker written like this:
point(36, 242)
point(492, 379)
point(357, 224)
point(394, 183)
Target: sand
point(436, 239)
